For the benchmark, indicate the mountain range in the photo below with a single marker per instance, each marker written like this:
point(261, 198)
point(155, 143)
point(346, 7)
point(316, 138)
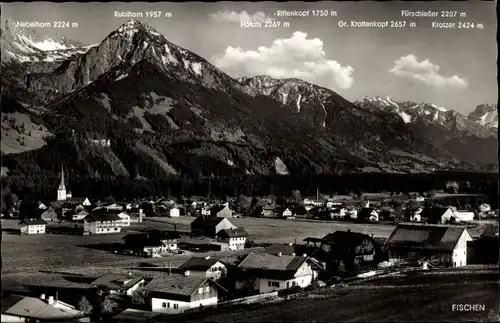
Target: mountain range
point(137, 105)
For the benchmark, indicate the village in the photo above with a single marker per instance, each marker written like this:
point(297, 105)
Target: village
point(202, 255)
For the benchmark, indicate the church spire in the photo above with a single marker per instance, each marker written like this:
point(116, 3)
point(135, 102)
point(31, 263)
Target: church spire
point(61, 185)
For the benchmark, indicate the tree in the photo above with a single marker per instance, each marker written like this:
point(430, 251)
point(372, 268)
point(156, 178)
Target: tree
point(84, 305)
point(296, 195)
point(107, 306)
point(138, 297)
point(243, 203)
point(13, 198)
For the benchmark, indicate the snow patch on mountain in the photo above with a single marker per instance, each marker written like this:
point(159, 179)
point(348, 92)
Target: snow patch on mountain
point(196, 68)
point(406, 117)
point(298, 102)
point(280, 167)
point(439, 108)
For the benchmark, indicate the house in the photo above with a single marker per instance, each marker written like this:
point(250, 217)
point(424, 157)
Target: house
point(462, 215)
point(174, 212)
point(125, 219)
point(79, 216)
point(32, 226)
point(113, 207)
point(17, 308)
point(338, 213)
point(119, 284)
point(420, 199)
point(268, 211)
point(313, 202)
point(136, 214)
point(437, 214)
point(221, 211)
point(299, 210)
point(151, 243)
point(265, 272)
point(102, 223)
point(210, 226)
point(41, 206)
point(175, 293)
point(443, 245)
point(286, 213)
point(49, 214)
point(368, 214)
point(79, 201)
point(416, 215)
point(331, 204)
point(483, 208)
point(293, 249)
point(204, 267)
point(485, 248)
point(206, 210)
point(236, 238)
point(349, 249)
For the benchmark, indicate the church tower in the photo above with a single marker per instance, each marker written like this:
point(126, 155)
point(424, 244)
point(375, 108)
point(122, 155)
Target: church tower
point(61, 191)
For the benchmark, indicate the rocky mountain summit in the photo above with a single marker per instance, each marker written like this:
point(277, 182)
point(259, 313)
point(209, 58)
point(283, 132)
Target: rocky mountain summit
point(163, 110)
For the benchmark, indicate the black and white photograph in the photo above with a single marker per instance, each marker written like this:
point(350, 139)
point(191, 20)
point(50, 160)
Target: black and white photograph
point(247, 161)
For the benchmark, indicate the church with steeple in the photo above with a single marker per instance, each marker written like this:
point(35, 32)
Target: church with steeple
point(62, 194)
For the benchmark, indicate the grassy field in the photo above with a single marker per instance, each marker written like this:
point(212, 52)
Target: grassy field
point(404, 299)
point(33, 252)
point(265, 230)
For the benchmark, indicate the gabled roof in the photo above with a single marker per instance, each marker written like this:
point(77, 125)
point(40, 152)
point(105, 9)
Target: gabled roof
point(75, 200)
point(430, 237)
point(345, 238)
point(436, 211)
point(207, 222)
point(233, 233)
point(365, 212)
point(217, 208)
point(94, 216)
point(198, 263)
point(33, 222)
point(176, 284)
point(117, 282)
point(265, 261)
point(39, 309)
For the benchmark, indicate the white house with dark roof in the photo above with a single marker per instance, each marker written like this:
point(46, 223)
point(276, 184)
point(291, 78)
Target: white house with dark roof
point(44, 309)
point(267, 273)
point(441, 244)
point(102, 223)
point(204, 267)
point(175, 293)
point(119, 284)
point(33, 226)
point(236, 238)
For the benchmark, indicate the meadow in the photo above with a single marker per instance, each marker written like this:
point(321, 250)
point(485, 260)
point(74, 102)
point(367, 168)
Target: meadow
point(403, 299)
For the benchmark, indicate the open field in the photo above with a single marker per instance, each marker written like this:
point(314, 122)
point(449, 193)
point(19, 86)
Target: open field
point(405, 301)
point(265, 230)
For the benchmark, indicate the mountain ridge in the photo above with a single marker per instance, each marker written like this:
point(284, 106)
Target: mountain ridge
point(166, 110)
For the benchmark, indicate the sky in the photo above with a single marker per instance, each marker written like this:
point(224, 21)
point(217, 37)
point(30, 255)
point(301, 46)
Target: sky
point(452, 67)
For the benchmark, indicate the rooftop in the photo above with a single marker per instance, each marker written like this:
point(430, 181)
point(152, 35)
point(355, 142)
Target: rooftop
point(265, 261)
point(39, 309)
point(198, 263)
point(433, 237)
point(117, 282)
point(175, 284)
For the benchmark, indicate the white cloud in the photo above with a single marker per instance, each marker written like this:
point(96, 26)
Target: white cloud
point(296, 56)
point(426, 72)
point(237, 17)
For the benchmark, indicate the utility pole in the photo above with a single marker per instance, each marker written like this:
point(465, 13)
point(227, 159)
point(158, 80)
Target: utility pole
point(317, 194)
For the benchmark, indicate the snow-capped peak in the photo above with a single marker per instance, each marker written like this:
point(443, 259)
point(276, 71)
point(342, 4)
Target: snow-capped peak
point(439, 108)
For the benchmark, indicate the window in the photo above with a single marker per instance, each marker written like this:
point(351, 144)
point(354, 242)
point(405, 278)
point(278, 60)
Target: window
point(207, 289)
point(176, 306)
point(168, 305)
point(200, 290)
point(163, 304)
point(294, 283)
